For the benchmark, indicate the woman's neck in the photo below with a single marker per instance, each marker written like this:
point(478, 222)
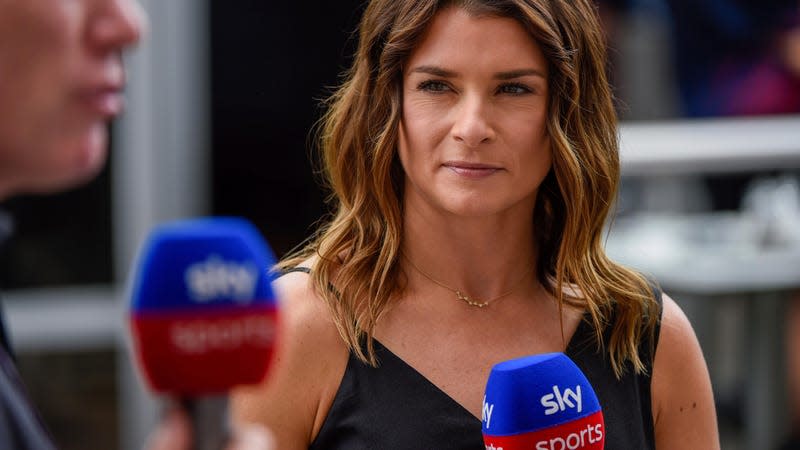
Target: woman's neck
point(479, 256)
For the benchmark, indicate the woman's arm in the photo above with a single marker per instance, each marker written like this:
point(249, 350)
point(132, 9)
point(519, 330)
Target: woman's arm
point(683, 403)
point(305, 374)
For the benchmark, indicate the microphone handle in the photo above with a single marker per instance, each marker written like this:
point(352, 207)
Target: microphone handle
point(210, 421)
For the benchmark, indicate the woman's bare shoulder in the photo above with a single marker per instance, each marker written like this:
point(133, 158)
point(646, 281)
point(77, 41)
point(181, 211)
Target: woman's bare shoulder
point(683, 403)
point(307, 367)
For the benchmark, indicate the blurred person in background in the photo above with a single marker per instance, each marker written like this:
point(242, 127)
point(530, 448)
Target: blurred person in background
point(737, 57)
point(725, 58)
point(730, 57)
point(61, 81)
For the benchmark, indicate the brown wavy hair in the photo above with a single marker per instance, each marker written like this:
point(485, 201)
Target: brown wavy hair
point(357, 271)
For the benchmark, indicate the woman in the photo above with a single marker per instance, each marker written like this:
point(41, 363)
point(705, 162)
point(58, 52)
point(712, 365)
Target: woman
point(472, 157)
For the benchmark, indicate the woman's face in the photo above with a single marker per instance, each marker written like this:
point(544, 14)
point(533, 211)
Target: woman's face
point(61, 80)
point(473, 138)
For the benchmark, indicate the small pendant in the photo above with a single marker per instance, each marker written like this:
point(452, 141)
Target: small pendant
point(469, 301)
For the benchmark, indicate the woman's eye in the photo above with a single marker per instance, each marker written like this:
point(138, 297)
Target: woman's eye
point(514, 89)
point(433, 86)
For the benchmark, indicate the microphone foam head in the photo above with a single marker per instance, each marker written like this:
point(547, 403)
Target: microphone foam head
point(203, 313)
point(541, 402)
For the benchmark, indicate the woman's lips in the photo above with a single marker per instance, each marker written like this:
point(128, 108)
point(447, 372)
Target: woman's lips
point(471, 170)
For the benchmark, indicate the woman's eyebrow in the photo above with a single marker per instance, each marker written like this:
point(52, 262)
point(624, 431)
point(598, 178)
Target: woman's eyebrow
point(436, 71)
point(505, 75)
point(511, 74)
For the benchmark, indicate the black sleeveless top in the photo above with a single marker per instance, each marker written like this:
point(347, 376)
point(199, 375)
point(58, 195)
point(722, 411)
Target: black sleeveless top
point(394, 407)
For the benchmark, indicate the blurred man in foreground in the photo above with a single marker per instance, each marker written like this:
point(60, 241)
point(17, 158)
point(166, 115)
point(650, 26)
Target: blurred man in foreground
point(61, 81)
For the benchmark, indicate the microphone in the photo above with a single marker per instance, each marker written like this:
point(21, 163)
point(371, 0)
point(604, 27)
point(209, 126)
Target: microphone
point(203, 316)
point(541, 402)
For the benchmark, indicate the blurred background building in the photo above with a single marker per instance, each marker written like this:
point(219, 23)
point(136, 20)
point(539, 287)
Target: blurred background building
point(222, 98)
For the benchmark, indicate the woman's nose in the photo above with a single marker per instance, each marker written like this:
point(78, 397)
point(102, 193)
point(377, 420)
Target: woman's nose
point(472, 126)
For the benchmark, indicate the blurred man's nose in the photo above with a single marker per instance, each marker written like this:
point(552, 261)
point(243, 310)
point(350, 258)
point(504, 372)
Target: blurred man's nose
point(116, 24)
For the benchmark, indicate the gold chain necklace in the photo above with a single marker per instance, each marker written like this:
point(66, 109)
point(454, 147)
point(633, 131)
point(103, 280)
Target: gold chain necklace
point(460, 294)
